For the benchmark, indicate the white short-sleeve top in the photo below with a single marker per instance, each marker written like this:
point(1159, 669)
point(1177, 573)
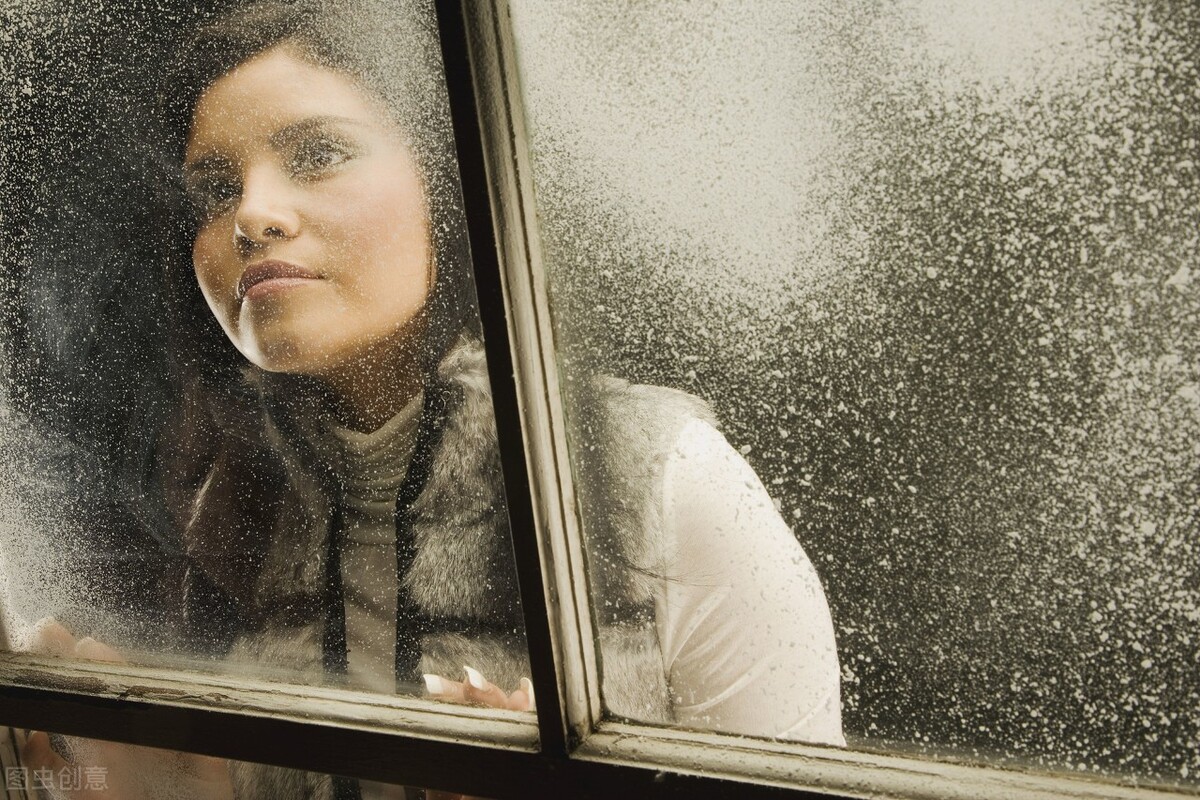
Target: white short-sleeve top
point(745, 629)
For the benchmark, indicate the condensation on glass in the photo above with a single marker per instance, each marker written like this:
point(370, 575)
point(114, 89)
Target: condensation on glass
point(934, 266)
point(327, 508)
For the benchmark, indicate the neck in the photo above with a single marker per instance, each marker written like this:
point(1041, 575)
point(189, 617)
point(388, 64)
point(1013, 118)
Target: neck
point(372, 389)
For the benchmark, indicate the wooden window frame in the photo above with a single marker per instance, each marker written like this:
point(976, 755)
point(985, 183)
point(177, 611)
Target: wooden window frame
point(573, 751)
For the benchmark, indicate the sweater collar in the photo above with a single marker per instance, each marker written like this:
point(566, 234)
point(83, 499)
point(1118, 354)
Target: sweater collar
point(261, 537)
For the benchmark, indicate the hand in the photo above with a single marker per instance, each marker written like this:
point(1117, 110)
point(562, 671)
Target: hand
point(100, 770)
point(477, 690)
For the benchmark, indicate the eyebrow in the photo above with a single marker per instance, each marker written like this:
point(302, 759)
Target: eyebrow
point(288, 134)
point(282, 138)
point(209, 163)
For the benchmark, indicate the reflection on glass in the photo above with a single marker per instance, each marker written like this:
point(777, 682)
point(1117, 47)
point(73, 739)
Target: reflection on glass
point(934, 265)
point(248, 418)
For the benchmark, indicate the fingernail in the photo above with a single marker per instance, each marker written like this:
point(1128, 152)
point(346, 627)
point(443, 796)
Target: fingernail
point(475, 679)
point(433, 684)
point(527, 685)
point(84, 645)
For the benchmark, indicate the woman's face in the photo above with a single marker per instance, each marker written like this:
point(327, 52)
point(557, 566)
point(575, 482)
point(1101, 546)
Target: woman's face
point(313, 247)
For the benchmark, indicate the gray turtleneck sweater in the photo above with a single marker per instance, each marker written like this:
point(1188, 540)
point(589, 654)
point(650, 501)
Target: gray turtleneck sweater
point(372, 467)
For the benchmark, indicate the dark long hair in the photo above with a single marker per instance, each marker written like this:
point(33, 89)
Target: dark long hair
point(391, 50)
point(108, 343)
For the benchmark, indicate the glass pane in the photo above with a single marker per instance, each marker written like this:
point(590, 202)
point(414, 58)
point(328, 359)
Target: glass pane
point(932, 265)
point(247, 423)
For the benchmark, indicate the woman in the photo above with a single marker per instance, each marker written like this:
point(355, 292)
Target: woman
point(340, 495)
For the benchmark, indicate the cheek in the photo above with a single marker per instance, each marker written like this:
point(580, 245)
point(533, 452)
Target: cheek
point(387, 232)
point(390, 210)
point(207, 265)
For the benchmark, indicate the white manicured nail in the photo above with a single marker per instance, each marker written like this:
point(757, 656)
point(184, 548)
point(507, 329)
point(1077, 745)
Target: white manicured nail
point(433, 684)
point(475, 679)
point(527, 685)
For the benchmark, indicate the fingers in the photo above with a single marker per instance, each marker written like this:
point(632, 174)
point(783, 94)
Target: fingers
point(478, 690)
point(445, 689)
point(96, 651)
point(51, 639)
point(529, 701)
point(481, 691)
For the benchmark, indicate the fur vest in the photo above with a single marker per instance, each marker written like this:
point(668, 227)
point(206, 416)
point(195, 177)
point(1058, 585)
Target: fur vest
point(258, 543)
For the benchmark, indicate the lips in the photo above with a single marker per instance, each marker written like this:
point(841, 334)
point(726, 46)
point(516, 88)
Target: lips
point(266, 274)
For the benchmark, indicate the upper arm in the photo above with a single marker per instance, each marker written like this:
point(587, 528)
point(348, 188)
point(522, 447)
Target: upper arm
point(746, 632)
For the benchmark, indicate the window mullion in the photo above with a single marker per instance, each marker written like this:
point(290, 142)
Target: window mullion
point(496, 296)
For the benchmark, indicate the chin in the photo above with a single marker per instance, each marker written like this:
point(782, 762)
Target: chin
point(286, 344)
point(282, 354)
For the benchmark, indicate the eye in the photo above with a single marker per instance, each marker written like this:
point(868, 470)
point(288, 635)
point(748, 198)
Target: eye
point(319, 154)
point(211, 195)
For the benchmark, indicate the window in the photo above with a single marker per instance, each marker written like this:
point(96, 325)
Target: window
point(931, 266)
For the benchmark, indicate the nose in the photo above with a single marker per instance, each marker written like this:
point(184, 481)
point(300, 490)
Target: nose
point(266, 210)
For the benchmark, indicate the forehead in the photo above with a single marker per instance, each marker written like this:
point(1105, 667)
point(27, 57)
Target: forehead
point(248, 104)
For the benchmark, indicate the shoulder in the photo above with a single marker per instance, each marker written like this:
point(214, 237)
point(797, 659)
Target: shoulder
point(623, 437)
point(626, 433)
point(646, 417)
point(719, 517)
point(704, 473)
point(699, 448)
point(643, 418)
